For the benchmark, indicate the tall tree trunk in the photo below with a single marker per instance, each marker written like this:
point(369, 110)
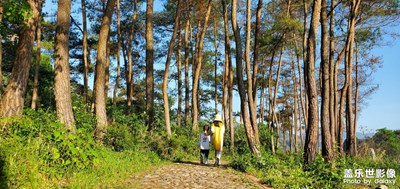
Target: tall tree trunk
point(129, 78)
point(187, 89)
point(256, 46)
point(305, 26)
point(61, 66)
point(85, 53)
point(271, 117)
point(107, 67)
point(242, 93)
point(199, 57)
point(100, 103)
point(295, 99)
point(227, 81)
point(251, 101)
point(179, 67)
point(310, 148)
point(12, 102)
point(216, 68)
point(149, 65)
point(327, 151)
point(166, 72)
point(35, 95)
point(116, 86)
point(332, 86)
point(350, 131)
point(356, 95)
point(1, 53)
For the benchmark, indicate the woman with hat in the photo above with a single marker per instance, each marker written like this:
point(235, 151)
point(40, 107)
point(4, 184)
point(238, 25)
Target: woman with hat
point(218, 130)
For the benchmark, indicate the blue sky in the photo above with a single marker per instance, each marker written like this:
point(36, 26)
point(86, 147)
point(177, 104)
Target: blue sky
point(383, 108)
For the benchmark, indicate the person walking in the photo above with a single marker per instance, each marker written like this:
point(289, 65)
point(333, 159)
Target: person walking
point(218, 130)
point(204, 144)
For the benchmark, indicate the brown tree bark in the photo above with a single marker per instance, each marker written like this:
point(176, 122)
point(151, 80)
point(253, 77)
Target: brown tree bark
point(327, 151)
point(256, 46)
point(242, 93)
point(350, 129)
point(1, 54)
point(199, 57)
point(129, 78)
point(100, 103)
point(12, 102)
point(61, 66)
point(166, 72)
point(227, 96)
point(85, 53)
point(35, 96)
point(107, 67)
point(149, 66)
point(216, 68)
point(116, 86)
point(332, 86)
point(251, 101)
point(187, 89)
point(310, 148)
point(179, 71)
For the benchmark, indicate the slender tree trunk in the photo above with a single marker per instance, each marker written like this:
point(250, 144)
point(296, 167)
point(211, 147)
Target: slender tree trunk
point(310, 148)
point(251, 101)
point(187, 89)
point(271, 117)
point(35, 95)
point(166, 72)
point(295, 118)
point(227, 81)
point(351, 132)
point(100, 103)
point(216, 68)
point(274, 119)
point(179, 67)
point(12, 101)
point(199, 57)
point(256, 46)
point(239, 73)
point(356, 95)
point(129, 79)
point(332, 87)
point(1, 53)
point(107, 67)
point(149, 65)
point(85, 53)
point(327, 151)
point(61, 66)
point(116, 86)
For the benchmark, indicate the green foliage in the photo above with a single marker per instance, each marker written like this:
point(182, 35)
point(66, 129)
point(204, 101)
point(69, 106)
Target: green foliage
point(15, 13)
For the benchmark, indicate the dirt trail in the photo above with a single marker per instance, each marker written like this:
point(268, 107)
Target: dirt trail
point(193, 175)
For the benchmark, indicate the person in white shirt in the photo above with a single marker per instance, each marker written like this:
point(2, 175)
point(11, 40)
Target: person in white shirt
point(204, 144)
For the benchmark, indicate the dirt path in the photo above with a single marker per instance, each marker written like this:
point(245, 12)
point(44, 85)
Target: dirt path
point(193, 175)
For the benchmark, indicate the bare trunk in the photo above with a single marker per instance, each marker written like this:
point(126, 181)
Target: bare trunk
point(271, 117)
point(216, 69)
point(295, 118)
point(310, 148)
point(199, 57)
point(179, 67)
point(187, 90)
point(12, 101)
point(129, 78)
point(256, 46)
point(149, 66)
point(116, 86)
point(351, 132)
point(99, 87)
point(332, 86)
point(239, 73)
point(251, 101)
point(166, 72)
point(107, 68)
point(85, 53)
point(327, 151)
point(61, 66)
point(35, 95)
point(1, 54)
